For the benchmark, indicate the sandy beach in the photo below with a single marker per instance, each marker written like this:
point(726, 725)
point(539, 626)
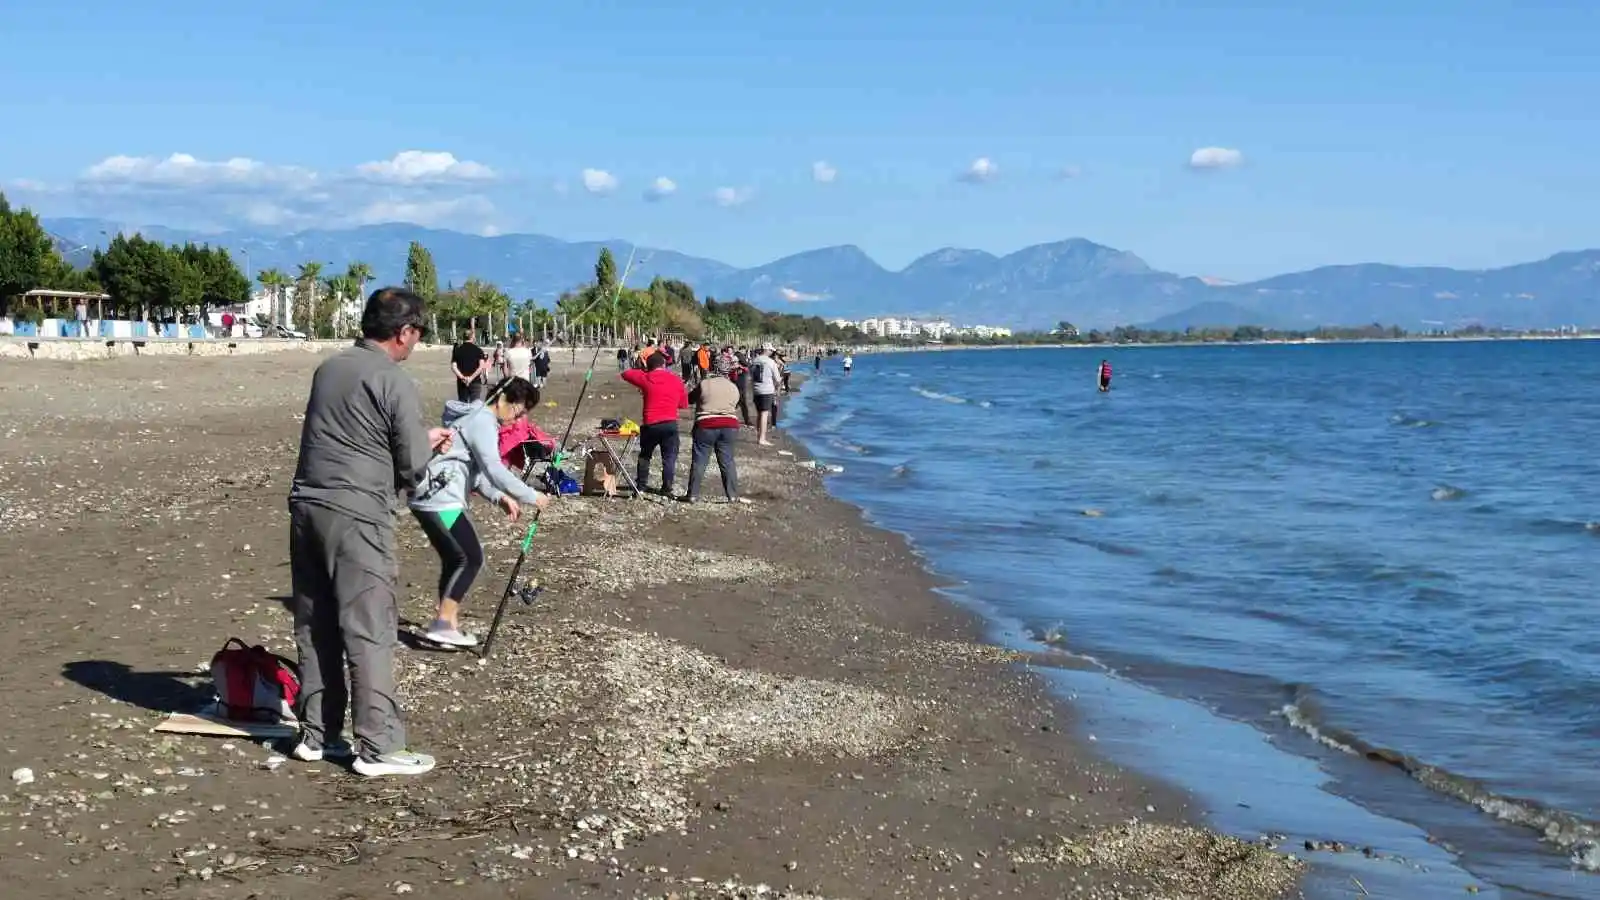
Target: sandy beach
point(706, 701)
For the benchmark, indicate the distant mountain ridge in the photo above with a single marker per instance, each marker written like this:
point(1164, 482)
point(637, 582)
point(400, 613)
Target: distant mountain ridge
point(1074, 280)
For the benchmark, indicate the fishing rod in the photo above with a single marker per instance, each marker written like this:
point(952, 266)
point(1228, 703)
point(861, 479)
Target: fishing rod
point(528, 593)
point(500, 386)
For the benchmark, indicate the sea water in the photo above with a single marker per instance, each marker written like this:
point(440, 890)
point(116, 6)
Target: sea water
point(1344, 591)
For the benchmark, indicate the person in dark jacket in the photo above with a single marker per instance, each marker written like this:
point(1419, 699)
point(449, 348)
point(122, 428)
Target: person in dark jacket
point(362, 442)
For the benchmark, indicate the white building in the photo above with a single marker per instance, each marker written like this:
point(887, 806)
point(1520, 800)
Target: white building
point(990, 331)
point(871, 327)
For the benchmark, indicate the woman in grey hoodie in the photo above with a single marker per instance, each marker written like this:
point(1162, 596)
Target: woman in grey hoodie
point(440, 504)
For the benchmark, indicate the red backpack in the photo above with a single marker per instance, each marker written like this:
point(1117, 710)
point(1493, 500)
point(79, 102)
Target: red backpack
point(253, 683)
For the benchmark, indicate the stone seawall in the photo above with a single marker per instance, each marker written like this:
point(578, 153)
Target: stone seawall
point(112, 348)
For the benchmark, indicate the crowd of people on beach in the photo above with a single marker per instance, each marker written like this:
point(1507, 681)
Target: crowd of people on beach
point(364, 441)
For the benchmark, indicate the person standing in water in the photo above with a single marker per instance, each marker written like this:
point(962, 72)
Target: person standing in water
point(849, 361)
point(1105, 375)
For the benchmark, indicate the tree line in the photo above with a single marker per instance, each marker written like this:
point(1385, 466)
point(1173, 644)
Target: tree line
point(606, 310)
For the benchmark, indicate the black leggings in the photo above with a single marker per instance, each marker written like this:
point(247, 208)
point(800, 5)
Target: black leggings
point(460, 552)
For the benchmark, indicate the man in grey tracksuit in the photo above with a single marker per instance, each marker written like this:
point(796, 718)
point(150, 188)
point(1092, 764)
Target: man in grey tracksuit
point(363, 441)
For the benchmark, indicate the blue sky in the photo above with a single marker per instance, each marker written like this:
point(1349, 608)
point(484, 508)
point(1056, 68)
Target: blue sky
point(1458, 134)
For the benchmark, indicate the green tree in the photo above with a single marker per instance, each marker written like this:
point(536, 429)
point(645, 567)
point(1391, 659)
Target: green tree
point(221, 282)
point(674, 293)
point(422, 277)
point(27, 255)
point(605, 274)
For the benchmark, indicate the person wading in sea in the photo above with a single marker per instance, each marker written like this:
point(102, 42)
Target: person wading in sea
point(363, 440)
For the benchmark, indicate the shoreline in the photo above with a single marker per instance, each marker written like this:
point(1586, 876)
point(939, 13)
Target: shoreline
point(1440, 840)
point(1131, 345)
point(704, 694)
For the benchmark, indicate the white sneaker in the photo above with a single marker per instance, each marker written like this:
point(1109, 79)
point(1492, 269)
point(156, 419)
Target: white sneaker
point(450, 637)
point(403, 762)
point(336, 750)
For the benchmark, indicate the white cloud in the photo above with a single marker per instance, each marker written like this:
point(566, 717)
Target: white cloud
point(1067, 173)
point(982, 169)
point(181, 170)
point(599, 181)
point(731, 196)
point(822, 173)
point(794, 296)
point(421, 166)
point(1215, 158)
point(661, 189)
point(181, 190)
point(29, 185)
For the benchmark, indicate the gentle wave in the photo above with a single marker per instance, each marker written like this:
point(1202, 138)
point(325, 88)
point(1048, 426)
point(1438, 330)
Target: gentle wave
point(1573, 834)
point(1565, 526)
point(949, 398)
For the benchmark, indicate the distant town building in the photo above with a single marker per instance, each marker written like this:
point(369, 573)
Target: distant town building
point(908, 329)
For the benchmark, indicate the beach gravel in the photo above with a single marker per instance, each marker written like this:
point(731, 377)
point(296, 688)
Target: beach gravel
point(709, 700)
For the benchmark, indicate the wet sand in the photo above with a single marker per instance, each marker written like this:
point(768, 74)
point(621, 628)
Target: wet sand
point(706, 700)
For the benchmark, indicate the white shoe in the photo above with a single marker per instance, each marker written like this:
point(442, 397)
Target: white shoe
point(336, 750)
point(450, 637)
point(403, 762)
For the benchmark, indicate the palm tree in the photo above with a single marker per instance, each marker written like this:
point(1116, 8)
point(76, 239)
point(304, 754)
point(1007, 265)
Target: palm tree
point(360, 273)
point(274, 281)
point(305, 292)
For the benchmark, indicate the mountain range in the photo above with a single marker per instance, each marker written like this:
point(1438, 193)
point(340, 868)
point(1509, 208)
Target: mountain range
point(1074, 280)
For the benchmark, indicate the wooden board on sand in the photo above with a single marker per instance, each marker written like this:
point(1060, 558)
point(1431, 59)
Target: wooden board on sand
point(216, 726)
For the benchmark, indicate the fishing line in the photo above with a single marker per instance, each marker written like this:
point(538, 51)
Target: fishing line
point(528, 593)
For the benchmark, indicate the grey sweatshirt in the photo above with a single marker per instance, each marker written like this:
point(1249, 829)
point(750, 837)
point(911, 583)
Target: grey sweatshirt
point(363, 439)
point(473, 460)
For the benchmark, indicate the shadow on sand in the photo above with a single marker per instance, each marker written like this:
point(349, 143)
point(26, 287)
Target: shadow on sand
point(158, 691)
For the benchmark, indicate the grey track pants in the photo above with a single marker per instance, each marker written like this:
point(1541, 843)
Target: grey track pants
point(344, 609)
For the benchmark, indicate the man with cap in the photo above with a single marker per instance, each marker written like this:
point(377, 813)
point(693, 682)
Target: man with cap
point(764, 381)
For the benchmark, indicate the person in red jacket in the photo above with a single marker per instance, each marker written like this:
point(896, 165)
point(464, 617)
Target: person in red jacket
point(664, 394)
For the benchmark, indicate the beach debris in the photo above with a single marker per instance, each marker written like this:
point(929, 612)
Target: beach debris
point(22, 776)
point(1195, 863)
point(820, 466)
